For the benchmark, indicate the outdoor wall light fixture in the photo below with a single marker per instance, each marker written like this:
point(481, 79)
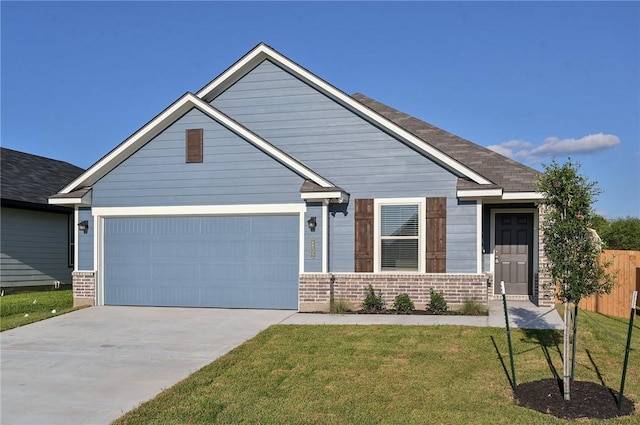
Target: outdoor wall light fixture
point(84, 226)
point(312, 224)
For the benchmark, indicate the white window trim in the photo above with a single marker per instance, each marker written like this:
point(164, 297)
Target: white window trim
point(422, 246)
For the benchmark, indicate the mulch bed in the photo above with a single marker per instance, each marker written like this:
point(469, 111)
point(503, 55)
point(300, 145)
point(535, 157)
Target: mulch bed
point(588, 400)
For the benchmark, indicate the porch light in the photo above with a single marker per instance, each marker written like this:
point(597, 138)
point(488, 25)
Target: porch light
point(312, 224)
point(84, 226)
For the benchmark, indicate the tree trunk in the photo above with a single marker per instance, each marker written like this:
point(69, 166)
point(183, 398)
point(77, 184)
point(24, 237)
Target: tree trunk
point(567, 350)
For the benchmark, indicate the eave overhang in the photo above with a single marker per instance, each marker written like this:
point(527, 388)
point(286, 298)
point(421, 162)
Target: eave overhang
point(498, 194)
point(80, 197)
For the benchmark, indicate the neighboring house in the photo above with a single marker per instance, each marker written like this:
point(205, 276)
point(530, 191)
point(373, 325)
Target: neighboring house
point(36, 239)
point(271, 188)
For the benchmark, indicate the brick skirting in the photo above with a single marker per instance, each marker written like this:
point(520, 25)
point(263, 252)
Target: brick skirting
point(315, 289)
point(84, 288)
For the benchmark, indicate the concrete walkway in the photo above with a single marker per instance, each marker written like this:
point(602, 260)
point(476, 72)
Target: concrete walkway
point(522, 314)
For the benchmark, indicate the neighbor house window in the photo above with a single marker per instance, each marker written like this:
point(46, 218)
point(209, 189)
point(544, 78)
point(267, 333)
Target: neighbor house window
point(400, 230)
point(194, 142)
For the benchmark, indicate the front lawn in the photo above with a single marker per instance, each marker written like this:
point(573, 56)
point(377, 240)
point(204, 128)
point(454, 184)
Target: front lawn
point(386, 374)
point(20, 309)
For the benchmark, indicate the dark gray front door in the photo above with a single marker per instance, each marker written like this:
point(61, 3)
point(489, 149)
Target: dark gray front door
point(514, 253)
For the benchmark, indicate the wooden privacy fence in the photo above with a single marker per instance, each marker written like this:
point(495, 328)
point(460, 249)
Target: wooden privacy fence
point(625, 266)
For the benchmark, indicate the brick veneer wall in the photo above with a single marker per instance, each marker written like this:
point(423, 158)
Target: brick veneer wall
point(315, 289)
point(84, 288)
point(545, 290)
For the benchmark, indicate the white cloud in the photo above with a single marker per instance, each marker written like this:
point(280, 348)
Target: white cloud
point(512, 148)
point(587, 144)
point(553, 146)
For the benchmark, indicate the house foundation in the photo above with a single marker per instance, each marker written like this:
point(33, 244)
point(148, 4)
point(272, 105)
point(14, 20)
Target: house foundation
point(317, 289)
point(84, 289)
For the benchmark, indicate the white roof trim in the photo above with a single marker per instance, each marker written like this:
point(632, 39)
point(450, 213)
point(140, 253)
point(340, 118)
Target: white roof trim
point(199, 210)
point(167, 117)
point(499, 193)
point(80, 201)
point(522, 195)
point(262, 52)
point(479, 193)
point(339, 197)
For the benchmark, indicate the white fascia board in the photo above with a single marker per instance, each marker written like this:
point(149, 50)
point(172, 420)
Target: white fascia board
point(481, 193)
point(258, 142)
point(262, 52)
point(199, 210)
point(85, 200)
point(133, 143)
point(340, 197)
point(159, 123)
point(522, 196)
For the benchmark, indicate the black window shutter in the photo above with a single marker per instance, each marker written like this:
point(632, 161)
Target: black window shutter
point(194, 137)
point(436, 235)
point(364, 236)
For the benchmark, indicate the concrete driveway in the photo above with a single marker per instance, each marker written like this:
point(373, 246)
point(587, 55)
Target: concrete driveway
point(93, 365)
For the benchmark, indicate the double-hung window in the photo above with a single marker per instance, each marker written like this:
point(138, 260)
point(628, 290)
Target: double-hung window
point(399, 235)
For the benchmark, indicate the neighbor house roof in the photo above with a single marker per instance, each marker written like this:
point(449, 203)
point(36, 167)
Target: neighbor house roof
point(28, 180)
point(504, 173)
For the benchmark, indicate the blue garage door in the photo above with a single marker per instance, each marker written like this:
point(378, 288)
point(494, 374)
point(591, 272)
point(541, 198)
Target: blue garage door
point(233, 262)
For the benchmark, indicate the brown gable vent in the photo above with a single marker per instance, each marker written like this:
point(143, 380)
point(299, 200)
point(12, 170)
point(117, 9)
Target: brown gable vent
point(194, 137)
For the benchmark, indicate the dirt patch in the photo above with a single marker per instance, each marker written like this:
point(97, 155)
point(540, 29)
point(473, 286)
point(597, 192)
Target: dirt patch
point(588, 400)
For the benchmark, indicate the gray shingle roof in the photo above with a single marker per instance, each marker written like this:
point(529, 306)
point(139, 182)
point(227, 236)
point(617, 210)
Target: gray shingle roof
point(505, 173)
point(32, 179)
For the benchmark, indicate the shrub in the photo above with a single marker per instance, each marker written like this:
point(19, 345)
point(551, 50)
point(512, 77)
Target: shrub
point(402, 304)
point(373, 302)
point(471, 307)
point(339, 307)
point(437, 304)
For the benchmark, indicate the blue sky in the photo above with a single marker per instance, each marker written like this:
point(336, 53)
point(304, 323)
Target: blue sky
point(535, 81)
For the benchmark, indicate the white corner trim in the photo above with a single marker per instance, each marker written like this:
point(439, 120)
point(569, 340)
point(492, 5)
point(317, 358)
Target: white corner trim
point(325, 238)
point(262, 52)
point(479, 235)
point(301, 244)
point(76, 234)
point(199, 210)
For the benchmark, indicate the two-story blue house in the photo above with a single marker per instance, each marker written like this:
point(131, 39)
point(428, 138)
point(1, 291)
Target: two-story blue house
point(271, 188)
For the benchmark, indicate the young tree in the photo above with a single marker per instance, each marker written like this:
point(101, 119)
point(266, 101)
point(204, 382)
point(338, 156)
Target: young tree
point(570, 245)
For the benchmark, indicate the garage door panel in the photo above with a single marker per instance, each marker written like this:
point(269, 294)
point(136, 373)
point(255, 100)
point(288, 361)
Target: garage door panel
point(240, 261)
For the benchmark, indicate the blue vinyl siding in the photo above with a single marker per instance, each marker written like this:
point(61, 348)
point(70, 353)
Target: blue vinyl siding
point(34, 248)
point(349, 151)
point(232, 262)
point(233, 171)
point(85, 241)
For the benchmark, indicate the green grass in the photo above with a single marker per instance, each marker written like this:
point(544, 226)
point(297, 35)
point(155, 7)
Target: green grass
point(13, 308)
point(385, 375)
